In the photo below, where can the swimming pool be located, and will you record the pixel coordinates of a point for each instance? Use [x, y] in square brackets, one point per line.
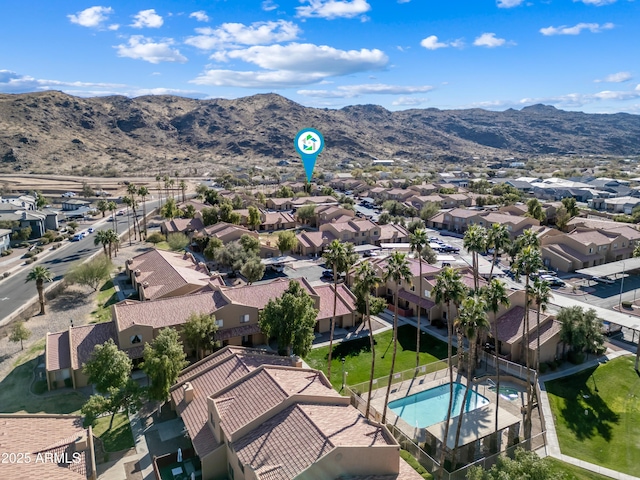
[430, 407]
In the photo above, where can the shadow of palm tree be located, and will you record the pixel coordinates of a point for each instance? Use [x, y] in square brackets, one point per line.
[67, 300]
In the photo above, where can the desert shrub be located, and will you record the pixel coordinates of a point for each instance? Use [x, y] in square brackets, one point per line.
[156, 237]
[29, 261]
[576, 357]
[543, 368]
[177, 241]
[44, 241]
[553, 366]
[28, 254]
[6, 274]
[38, 250]
[6, 253]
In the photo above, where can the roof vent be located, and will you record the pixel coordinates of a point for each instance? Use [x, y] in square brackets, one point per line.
[130, 261]
[145, 284]
[137, 272]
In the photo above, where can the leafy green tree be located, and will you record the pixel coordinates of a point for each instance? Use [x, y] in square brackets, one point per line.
[535, 210]
[201, 191]
[418, 240]
[87, 191]
[366, 281]
[199, 332]
[384, 218]
[108, 367]
[415, 225]
[253, 270]
[291, 320]
[232, 256]
[212, 197]
[164, 358]
[189, 211]
[254, 219]
[177, 241]
[525, 465]
[92, 273]
[562, 218]
[250, 244]
[128, 398]
[284, 192]
[156, 237]
[580, 330]
[472, 322]
[170, 209]
[571, 205]
[19, 333]
[102, 206]
[397, 270]
[21, 234]
[210, 216]
[226, 209]
[41, 201]
[237, 203]
[40, 274]
[429, 209]
[287, 241]
[448, 289]
[212, 247]
[495, 295]
[338, 256]
[475, 241]
[306, 214]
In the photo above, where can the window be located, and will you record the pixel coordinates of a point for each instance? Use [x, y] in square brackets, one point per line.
[615, 245]
[220, 323]
[590, 250]
[244, 318]
[231, 472]
[136, 339]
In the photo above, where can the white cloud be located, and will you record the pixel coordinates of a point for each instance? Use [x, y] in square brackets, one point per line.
[489, 40]
[291, 65]
[404, 1]
[331, 9]
[597, 3]
[616, 78]
[12, 82]
[409, 101]
[574, 100]
[113, 27]
[576, 29]
[91, 17]
[141, 48]
[351, 91]
[509, 3]
[147, 19]
[432, 43]
[268, 5]
[233, 34]
[200, 16]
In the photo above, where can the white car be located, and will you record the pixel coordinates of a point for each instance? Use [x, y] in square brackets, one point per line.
[605, 280]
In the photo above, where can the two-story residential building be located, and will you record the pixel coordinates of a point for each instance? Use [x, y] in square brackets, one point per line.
[460, 219]
[227, 232]
[5, 239]
[329, 213]
[314, 243]
[71, 204]
[399, 194]
[419, 201]
[357, 231]
[279, 204]
[425, 189]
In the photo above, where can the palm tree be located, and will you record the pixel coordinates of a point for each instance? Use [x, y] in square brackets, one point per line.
[527, 262]
[40, 274]
[417, 242]
[541, 293]
[495, 295]
[113, 242]
[472, 320]
[132, 190]
[159, 188]
[335, 258]
[102, 238]
[172, 182]
[499, 239]
[201, 191]
[170, 209]
[102, 206]
[127, 201]
[183, 187]
[113, 207]
[144, 192]
[475, 241]
[449, 288]
[397, 270]
[367, 280]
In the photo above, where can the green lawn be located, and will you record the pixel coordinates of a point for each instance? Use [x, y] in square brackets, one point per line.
[357, 354]
[119, 437]
[609, 433]
[572, 472]
[105, 297]
[31, 352]
[15, 396]
[162, 246]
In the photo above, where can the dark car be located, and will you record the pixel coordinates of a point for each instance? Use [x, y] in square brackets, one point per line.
[327, 274]
[449, 249]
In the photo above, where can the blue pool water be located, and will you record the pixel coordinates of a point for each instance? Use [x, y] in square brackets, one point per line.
[430, 407]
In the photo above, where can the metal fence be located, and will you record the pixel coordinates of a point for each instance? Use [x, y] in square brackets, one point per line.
[507, 367]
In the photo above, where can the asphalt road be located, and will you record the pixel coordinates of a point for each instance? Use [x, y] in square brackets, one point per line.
[15, 291]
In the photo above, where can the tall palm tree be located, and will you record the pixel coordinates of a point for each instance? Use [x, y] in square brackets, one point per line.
[335, 258]
[113, 242]
[132, 190]
[40, 274]
[113, 207]
[172, 182]
[475, 241]
[541, 294]
[528, 261]
[449, 288]
[472, 321]
[159, 188]
[183, 187]
[366, 280]
[499, 239]
[102, 238]
[418, 241]
[128, 201]
[143, 192]
[397, 270]
[495, 295]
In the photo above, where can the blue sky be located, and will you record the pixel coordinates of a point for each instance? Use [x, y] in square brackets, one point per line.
[574, 54]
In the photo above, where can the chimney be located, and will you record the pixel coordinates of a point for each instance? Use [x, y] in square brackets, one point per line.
[137, 272]
[296, 361]
[145, 284]
[188, 392]
[81, 443]
[130, 261]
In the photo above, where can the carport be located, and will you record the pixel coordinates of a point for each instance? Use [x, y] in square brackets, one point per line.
[613, 268]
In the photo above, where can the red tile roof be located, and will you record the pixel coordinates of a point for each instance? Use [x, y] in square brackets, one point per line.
[45, 434]
[183, 225]
[258, 295]
[57, 351]
[85, 338]
[345, 305]
[511, 324]
[413, 298]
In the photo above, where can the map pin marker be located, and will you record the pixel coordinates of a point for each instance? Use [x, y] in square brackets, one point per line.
[309, 143]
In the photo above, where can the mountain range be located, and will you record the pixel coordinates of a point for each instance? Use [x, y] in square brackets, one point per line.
[52, 132]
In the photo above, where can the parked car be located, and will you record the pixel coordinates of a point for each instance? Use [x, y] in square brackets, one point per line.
[604, 280]
[327, 274]
[91, 230]
[609, 328]
[552, 280]
[120, 212]
[77, 237]
[449, 249]
[370, 253]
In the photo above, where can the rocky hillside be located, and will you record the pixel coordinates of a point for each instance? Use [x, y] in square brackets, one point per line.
[51, 132]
